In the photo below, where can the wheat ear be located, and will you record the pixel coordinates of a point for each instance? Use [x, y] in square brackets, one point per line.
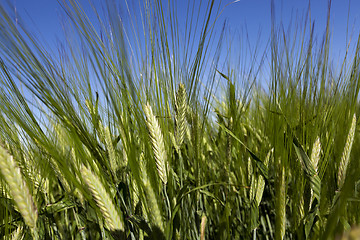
[180, 114]
[157, 142]
[346, 154]
[18, 189]
[315, 157]
[104, 202]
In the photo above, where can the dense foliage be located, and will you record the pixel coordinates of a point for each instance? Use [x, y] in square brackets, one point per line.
[136, 131]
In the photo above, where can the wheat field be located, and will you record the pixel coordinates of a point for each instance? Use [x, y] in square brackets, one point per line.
[137, 132]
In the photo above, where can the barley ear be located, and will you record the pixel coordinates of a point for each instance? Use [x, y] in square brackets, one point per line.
[18, 189]
[346, 154]
[314, 158]
[315, 154]
[180, 114]
[104, 202]
[157, 142]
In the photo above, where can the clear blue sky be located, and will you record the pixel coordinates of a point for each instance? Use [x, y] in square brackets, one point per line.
[46, 16]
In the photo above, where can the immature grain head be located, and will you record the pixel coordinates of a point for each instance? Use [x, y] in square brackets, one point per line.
[315, 157]
[112, 217]
[346, 154]
[180, 114]
[315, 154]
[18, 189]
[157, 142]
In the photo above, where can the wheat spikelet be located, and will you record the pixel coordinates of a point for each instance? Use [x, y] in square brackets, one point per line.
[157, 142]
[346, 154]
[104, 202]
[18, 234]
[315, 154]
[18, 189]
[180, 114]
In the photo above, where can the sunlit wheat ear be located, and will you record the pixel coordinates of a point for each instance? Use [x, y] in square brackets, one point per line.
[315, 154]
[315, 157]
[346, 154]
[180, 114]
[104, 202]
[18, 189]
[157, 142]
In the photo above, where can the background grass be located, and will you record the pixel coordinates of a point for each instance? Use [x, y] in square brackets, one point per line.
[138, 132]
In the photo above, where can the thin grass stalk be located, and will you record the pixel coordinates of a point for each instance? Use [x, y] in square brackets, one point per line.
[112, 217]
[18, 189]
[280, 205]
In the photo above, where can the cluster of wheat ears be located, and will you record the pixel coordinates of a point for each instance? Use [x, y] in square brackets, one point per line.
[137, 131]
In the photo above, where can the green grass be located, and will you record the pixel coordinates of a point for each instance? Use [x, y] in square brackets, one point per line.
[138, 132]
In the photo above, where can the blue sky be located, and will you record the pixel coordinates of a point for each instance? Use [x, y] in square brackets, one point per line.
[254, 14]
[45, 16]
